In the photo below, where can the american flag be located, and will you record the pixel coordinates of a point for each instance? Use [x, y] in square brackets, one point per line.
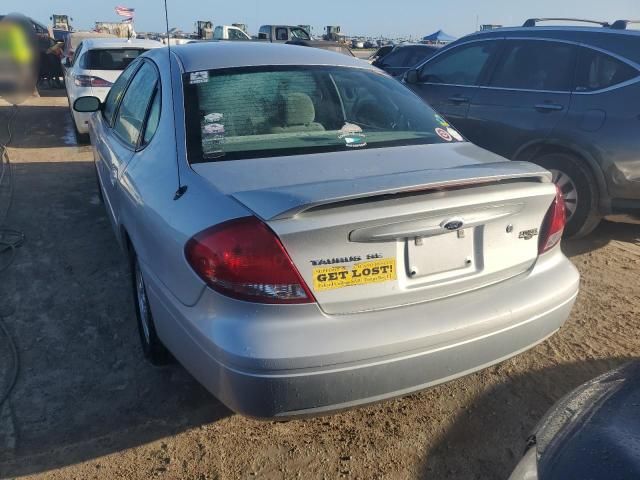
[125, 12]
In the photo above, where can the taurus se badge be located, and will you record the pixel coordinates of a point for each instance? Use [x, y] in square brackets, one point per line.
[528, 234]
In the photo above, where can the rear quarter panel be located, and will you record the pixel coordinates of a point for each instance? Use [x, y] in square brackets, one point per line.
[158, 224]
[605, 126]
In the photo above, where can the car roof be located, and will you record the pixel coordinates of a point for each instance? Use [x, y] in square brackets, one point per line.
[75, 38]
[214, 55]
[558, 28]
[624, 43]
[93, 43]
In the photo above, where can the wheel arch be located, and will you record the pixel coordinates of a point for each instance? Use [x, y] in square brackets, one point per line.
[536, 149]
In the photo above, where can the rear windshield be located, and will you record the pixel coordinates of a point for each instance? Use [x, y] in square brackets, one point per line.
[275, 111]
[110, 59]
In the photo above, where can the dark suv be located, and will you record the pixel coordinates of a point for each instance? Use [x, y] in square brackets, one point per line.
[566, 98]
[403, 57]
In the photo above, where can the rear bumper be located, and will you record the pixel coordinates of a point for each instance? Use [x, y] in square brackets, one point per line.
[310, 374]
[82, 121]
[294, 393]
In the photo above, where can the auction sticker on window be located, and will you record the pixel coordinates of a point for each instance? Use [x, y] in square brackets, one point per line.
[443, 134]
[198, 77]
[374, 271]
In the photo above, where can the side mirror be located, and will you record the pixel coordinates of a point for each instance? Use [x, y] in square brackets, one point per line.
[411, 77]
[262, 36]
[87, 104]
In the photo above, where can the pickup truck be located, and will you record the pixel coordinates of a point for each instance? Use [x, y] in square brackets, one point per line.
[324, 45]
[229, 32]
[282, 33]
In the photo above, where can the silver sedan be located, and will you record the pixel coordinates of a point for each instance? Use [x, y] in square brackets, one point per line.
[306, 235]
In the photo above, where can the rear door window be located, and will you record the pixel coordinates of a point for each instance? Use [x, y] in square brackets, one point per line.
[110, 59]
[135, 104]
[597, 71]
[153, 119]
[462, 65]
[116, 92]
[282, 34]
[535, 65]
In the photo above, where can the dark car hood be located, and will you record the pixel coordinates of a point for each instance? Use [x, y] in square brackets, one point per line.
[594, 432]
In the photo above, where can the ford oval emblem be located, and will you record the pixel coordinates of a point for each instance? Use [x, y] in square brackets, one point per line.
[453, 224]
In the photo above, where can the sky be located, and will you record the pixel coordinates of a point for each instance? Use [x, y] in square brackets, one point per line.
[400, 18]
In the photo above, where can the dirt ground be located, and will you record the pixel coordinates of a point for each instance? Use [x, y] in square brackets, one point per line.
[87, 406]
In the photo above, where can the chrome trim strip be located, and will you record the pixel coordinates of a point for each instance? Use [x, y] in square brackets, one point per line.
[611, 88]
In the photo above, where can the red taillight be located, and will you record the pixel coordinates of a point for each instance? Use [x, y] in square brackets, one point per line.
[553, 225]
[244, 259]
[90, 81]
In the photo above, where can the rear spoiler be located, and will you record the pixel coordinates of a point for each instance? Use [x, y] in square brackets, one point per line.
[287, 202]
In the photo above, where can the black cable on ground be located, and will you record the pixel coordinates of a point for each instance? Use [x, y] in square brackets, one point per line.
[10, 240]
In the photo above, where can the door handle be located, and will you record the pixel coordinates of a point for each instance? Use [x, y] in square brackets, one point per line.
[548, 107]
[113, 175]
[458, 99]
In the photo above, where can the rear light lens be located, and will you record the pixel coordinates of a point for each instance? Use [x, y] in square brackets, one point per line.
[553, 225]
[244, 259]
[90, 81]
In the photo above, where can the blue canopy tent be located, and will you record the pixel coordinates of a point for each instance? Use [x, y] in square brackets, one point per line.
[438, 37]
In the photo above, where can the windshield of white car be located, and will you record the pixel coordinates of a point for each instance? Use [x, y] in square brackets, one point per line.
[300, 34]
[110, 59]
[257, 112]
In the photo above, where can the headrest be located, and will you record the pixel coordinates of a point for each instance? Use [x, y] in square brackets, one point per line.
[298, 109]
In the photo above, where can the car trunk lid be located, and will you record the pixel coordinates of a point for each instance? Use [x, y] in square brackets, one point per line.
[404, 235]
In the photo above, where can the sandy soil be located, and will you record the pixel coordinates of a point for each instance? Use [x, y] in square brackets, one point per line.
[87, 406]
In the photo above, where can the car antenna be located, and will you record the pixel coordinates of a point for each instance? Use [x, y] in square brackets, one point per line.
[181, 188]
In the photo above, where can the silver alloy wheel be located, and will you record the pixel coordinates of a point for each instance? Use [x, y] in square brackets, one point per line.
[143, 304]
[569, 191]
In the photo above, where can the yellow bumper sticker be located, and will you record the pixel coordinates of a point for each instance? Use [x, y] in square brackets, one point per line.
[374, 271]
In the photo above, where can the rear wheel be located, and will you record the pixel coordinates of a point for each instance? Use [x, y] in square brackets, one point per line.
[579, 189]
[152, 347]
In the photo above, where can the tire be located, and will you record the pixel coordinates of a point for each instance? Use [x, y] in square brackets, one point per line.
[154, 351]
[580, 190]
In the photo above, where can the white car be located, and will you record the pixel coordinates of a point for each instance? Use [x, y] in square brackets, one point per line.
[227, 32]
[97, 63]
